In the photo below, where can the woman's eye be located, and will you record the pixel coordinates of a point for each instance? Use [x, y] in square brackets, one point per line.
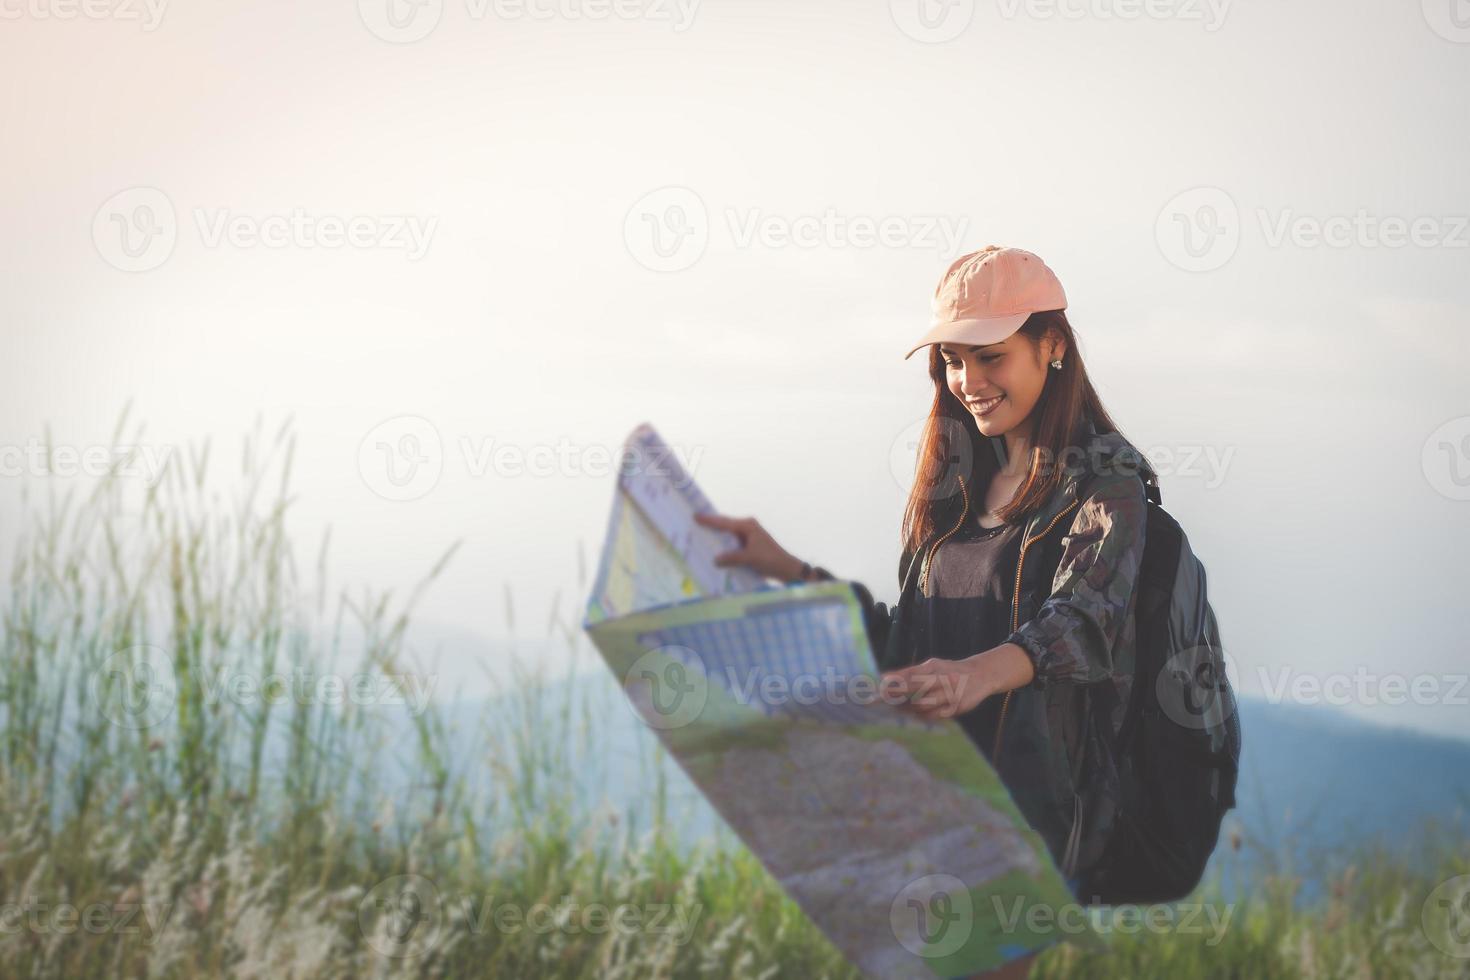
[953, 364]
[987, 358]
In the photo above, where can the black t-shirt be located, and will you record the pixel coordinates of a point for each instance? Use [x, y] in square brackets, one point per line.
[964, 607]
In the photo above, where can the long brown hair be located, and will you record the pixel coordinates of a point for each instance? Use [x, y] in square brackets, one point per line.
[952, 447]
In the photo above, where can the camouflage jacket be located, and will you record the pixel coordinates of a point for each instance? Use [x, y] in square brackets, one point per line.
[1073, 614]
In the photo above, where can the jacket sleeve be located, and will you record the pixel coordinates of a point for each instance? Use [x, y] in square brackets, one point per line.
[1072, 636]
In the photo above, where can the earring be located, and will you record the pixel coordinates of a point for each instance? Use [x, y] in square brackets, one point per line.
[1057, 364]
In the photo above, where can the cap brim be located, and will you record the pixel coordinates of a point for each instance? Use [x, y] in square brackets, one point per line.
[989, 330]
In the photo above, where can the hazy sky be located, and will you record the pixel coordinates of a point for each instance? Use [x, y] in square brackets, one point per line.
[485, 233]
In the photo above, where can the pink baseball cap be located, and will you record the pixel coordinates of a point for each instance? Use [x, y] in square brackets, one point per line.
[986, 296]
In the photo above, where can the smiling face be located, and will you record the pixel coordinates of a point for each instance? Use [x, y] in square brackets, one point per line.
[1000, 383]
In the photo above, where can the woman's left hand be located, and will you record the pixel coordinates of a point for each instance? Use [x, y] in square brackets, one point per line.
[940, 688]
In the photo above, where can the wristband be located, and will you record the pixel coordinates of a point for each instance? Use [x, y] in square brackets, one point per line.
[801, 576]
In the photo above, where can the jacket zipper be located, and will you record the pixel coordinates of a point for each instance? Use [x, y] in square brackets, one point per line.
[1016, 614]
[929, 557]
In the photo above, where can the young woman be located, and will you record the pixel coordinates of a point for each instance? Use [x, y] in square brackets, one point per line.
[1022, 541]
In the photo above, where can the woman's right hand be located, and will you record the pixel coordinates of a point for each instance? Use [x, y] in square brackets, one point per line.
[758, 551]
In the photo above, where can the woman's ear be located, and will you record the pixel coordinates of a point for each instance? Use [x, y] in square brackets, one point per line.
[1058, 348]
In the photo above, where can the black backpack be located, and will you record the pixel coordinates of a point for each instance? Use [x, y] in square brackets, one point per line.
[1177, 754]
[1178, 751]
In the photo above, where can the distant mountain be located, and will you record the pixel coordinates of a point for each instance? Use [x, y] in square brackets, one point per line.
[1314, 783]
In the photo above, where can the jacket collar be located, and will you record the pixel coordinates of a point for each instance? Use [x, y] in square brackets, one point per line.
[1105, 454]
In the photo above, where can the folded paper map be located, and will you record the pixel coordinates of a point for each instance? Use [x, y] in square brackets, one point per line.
[893, 834]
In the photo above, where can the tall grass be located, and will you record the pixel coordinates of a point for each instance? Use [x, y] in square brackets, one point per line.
[153, 828]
